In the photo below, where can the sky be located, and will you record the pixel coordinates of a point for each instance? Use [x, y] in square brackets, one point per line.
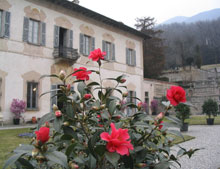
[127, 11]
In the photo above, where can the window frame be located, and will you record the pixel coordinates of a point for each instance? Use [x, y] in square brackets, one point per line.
[1, 23]
[131, 93]
[31, 95]
[130, 57]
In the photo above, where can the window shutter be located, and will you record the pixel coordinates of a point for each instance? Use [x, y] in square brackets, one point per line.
[134, 57]
[43, 33]
[56, 36]
[70, 39]
[81, 42]
[25, 29]
[93, 44]
[113, 51]
[7, 24]
[104, 48]
[127, 56]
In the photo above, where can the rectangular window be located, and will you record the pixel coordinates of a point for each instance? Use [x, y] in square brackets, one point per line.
[87, 44]
[32, 95]
[146, 99]
[130, 57]
[131, 99]
[4, 24]
[109, 48]
[33, 34]
[1, 22]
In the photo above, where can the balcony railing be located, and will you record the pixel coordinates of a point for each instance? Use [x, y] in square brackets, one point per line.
[64, 53]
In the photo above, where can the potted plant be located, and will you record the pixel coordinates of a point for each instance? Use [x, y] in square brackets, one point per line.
[183, 113]
[210, 108]
[154, 106]
[17, 107]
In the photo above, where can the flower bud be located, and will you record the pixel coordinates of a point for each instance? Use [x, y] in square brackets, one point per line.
[47, 124]
[122, 80]
[68, 87]
[35, 152]
[125, 94]
[73, 140]
[87, 96]
[58, 113]
[139, 105]
[97, 72]
[55, 108]
[66, 123]
[95, 108]
[141, 165]
[73, 165]
[102, 106]
[62, 74]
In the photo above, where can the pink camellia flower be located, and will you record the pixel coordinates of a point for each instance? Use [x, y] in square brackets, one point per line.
[82, 74]
[58, 113]
[97, 55]
[176, 94]
[98, 116]
[87, 96]
[117, 140]
[43, 134]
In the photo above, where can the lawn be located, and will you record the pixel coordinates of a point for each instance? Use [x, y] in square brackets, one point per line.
[9, 140]
[201, 120]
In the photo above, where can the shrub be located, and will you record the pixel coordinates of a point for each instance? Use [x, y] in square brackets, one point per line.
[92, 131]
[210, 108]
[17, 107]
[182, 112]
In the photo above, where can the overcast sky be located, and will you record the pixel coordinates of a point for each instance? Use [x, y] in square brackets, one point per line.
[127, 10]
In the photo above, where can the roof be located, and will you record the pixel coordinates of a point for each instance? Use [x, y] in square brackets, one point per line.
[101, 18]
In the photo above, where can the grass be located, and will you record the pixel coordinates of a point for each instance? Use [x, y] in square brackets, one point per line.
[178, 140]
[9, 140]
[201, 120]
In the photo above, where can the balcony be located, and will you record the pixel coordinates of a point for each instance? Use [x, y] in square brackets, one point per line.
[64, 54]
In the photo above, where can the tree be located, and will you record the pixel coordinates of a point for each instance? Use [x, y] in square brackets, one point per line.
[153, 48]
[198, 57]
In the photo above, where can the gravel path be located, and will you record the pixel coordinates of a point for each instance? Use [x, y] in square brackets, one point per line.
[207, 137]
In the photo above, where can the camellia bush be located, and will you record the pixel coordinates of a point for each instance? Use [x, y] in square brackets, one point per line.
[93, 131]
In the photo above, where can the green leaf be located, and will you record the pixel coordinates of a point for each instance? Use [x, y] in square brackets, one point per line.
[49, 92]
[175, 132]
[81, 88]
[93, 84]
[162, 165]
[12, 160]
[57, 157]
[25, 163]
[70, 149]
[128, 161]
[57, 124]
[100, 150]
[112, 107]
[70, 111]
[92, 161]
[24, 149]
[166, 104]
[66, 137]
[69, 131]
[112, 158]
[46, 118]
[53, 75]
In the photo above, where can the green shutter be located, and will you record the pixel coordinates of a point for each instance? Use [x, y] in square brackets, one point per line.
[43, 33]
[127, 56]
[104, 48]
[25, 29]
[7, 24]
[70, 39]
[134, 57]
[113, 51]
[93, 44]
[56, 35]
[81, 42]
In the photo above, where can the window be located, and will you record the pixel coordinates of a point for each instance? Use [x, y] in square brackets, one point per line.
[63, 38]
[87, 44]
[130, 57]
[4, 24]
[32, 95]
[146, 99]
[131, 99]
[34, 32]
[109, 48]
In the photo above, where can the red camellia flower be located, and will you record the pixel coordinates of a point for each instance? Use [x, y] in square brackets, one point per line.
[117, 140]
[97, 55]
[82, 74]
[176, 94]
[160, 125]
[87, 96]
[58, 113]
[43, 134]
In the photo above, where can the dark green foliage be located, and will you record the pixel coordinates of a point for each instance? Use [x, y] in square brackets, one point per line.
[182, 112]
[210, 108]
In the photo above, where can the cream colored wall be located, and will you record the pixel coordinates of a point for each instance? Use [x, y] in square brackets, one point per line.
[18, 59]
